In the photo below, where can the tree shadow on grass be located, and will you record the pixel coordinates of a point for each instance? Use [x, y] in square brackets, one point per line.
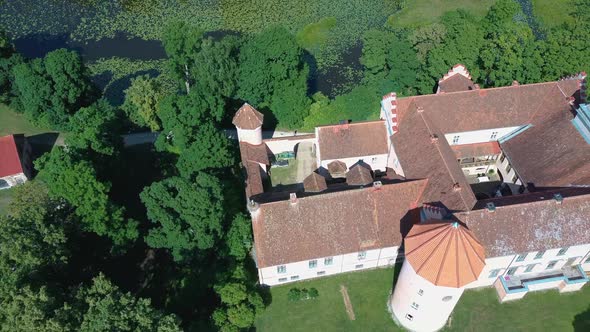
[581, 321]
[41, 144]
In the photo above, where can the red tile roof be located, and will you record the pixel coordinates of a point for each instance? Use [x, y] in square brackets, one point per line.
[10, 162]
[350, 140]
[476, 149]
[531, 222]
[359, 175]
[314, 183]
[247, 118]
[446, 254]
[333, 223]
[456, 83]
[252, 157]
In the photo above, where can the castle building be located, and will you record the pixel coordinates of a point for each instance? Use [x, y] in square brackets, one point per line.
[469, 187]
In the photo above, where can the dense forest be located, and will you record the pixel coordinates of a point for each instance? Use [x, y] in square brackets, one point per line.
[109, 237]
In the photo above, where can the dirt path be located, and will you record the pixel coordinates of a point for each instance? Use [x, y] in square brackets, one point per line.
[306, 161]
[347, 302]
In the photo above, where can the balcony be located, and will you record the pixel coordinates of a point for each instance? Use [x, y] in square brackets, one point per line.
[566, 279]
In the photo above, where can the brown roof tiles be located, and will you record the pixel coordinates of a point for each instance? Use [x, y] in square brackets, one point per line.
[337, 169]
[314, 183]
[456, 83]
[444, 253]
[359, 175]
[476, 149]
[333, 223]
[247, 118]
[352, 140]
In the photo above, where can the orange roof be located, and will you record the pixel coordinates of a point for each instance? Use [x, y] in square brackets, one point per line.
[444, 253]
[247, 118]
[476, 149]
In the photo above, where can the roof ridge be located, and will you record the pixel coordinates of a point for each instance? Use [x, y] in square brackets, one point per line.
[446, 252]
[350, 123]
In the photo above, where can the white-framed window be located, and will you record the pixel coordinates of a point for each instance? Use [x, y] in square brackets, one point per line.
[420, 292]
[281, 269]
[551, 265]
[521, 258]
[562, 251]
[493, 135]
[512, 271]
[456, 139]
[540, 254]
[409, 317]
[514, 178]
[529, 268]
[321, 273]
[373, 160]
[282, 279]
[502, 158]
[294, 277]
[494, 273]
[358, 266]
[328, 261]
[313, 264]
[362, 255]
[415, 305]
[508, 169]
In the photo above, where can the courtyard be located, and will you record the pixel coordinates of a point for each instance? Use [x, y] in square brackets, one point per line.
[478, 310]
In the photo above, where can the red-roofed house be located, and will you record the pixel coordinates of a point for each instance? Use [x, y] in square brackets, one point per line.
[15, 161]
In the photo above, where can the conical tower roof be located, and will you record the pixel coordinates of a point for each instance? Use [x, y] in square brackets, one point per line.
[247, 118]
[444, 253]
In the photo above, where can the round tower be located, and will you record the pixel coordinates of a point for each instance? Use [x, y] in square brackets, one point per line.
[248, 122]
[441, 258]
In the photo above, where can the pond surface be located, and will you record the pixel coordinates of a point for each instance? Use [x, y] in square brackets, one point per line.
[37, 45]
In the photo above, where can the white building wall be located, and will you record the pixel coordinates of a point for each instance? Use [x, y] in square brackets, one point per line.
[277, 146]
[503, 264]
[479, 136]
[377, 162]
[15, 179]
[502, 166]
[419, 305]
[253, 136]
[340, 263]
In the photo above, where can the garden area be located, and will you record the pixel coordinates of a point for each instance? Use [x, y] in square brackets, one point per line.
[478, 310]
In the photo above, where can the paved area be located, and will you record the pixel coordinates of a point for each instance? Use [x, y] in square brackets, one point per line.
[306, 162]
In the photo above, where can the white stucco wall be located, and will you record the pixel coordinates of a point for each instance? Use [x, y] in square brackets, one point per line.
[340, 263]
[15, 179]
[502, 166]
[286, 144]
[418, 297]
[580, 252]
[377, 162]
[253, 137]
[479, 136]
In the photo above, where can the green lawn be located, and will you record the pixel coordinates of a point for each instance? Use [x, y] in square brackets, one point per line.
[552, 12]
[478, 310]
[423, 12]
[14, 123]
[284, 175]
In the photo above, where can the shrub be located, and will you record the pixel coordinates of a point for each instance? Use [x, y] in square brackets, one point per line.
[313, 293]
[294, 295]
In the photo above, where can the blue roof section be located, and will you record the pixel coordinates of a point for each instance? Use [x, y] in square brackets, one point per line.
[582, 121]
[514, 133]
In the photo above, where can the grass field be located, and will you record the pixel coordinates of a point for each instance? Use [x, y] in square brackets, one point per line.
[478, 310]
[423, 12]
[552, 12]
[14, 123]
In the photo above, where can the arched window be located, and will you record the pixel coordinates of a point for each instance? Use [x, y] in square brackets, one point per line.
[4, 184]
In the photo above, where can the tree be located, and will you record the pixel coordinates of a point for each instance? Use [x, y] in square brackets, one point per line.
[94, 128]
[239, 236]
[425, 38]
[182, 115]
[34, 233]
[7, 76]
[76, 182]
[103, 307]
[211, 149]
[181, 43]
[273, 74]
[188, 215]
[141, 102]
[25, 309]
[215, 68]
[53, 88]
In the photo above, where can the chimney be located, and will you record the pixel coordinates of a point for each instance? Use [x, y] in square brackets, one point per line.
[377, 185]
[491, 207]
[558, 198]
[476, 86]
[515, 83]
[293, 198]
[456, 187]
[420, 109]
[571, 100]
[434, 138]
[253, 208]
